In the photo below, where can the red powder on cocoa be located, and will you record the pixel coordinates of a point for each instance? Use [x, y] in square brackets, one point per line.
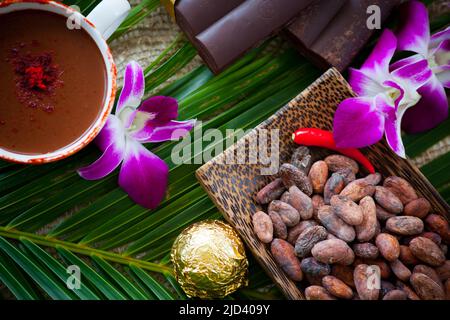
[37, 76]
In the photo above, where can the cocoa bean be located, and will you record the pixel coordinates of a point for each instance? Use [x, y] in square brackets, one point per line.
[347, 174]
[417, 208]
[430, 272]
[292, 176]
[382, 214]
[333, 251]
[388, 246]
[285, 197]
[311, 266]
[388, 200]
[383, 267]
[317, 293]
[444, 271]
[406, 256]
[426, 288]
[284, 255]
[432, 236]
[318, 175]
[338, 162]
[438, 224]
[385, 270]
[400, 270]
[396, 295]
[270, 192]
[336, 225]
[301, 202]
[357, 190]
[401, 188]
[279, 227]
[404, 225]
[334, 185]
[427, 251]
[263, 227]
[409, 292]
[373, 179]
[288, 214]
[317, 202]
[294, 232]
[368, 228]
[366, 250]
[398, 237]
[337, 287]
[301, 158]
[308, 238]
[347, 210]
[366, 281]
[343, 273]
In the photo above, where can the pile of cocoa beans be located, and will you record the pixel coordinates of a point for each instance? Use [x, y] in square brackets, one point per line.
[341, 235]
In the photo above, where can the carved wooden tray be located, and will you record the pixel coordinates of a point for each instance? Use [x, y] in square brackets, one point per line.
[233, 187]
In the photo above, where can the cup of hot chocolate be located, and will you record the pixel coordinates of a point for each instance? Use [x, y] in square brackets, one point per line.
[57, 78]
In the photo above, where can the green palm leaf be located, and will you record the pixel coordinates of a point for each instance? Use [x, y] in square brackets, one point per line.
[53, 286]
[96, 279]
[131, 290]
[158, 290]
[15, 280]
[57, 268]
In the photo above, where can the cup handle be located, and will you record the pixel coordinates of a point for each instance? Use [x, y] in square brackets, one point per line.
[108, 15]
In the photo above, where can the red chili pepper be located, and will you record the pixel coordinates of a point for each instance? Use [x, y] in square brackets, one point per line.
[313, 137]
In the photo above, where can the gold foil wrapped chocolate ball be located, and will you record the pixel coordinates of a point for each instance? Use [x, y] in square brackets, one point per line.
[209, 260]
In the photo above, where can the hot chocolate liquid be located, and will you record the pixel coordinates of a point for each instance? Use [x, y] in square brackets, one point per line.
[52, 82]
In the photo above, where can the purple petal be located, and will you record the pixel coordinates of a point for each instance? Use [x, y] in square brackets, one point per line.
[440, 36]
[414, 75]
[111, 132]
[357, 123]
[143, 176]
[431, 110]
[377, 65]
[393, 132]
[404, 62]
[362, 84]
[414, 33]
[133, 87]
[443, 75]
[107, 163]
[163, 108]
[172, 130]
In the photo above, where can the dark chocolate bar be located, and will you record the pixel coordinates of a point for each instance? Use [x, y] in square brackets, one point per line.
[307, 27]
[243, 28]
[346, 34]
[195, 16]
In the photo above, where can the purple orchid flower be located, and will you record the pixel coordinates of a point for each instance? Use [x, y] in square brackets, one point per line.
[143, 175]
[384, 97]
[414, 35]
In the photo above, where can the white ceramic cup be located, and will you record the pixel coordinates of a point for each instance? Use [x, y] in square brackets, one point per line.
[100, 24]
